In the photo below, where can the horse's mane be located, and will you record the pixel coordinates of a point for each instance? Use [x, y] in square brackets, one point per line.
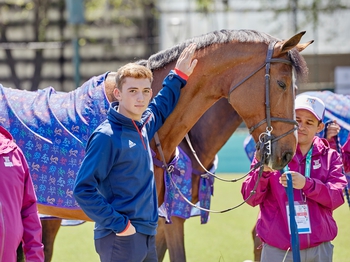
[162, 58]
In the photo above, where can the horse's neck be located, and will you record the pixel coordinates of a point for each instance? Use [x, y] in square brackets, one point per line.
[181, 120]
[209, 82]
[212, 131]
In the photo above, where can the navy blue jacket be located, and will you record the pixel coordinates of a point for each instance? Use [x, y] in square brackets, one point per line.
[115, 182]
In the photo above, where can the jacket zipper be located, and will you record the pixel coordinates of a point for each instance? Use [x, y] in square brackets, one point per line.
[138, 131]
[140, 134]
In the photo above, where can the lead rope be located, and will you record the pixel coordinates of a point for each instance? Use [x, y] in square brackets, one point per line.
[294, 234]
[207, 172]
[166, 169]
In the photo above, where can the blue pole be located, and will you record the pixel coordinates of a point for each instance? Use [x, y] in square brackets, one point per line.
[75, 10]
[292, 222]
[76, 57]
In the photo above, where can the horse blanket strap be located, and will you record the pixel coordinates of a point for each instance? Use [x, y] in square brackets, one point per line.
[64, 222]
[52, 129]
[160, 164]
[176, 171]
[174, 204]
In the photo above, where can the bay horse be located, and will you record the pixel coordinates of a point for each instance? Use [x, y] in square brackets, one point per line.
[228, 63]
[230, 66]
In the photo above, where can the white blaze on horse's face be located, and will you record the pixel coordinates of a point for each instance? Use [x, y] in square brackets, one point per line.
[294, 95]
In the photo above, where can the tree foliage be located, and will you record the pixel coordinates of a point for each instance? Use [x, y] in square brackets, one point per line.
[311, 8]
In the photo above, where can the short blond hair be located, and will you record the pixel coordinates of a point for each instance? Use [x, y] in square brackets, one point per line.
[132, 70]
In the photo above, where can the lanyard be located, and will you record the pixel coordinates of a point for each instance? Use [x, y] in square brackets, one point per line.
[308, 162]
[307, 165]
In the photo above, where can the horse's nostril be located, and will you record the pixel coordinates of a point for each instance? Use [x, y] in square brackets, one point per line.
[287, 157]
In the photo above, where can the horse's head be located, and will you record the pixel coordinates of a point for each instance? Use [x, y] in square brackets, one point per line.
[265, 99]
[257, 76]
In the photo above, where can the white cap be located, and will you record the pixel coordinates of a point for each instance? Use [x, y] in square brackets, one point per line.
[312, 104]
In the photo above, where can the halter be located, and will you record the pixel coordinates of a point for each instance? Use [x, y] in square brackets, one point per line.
[265, 138]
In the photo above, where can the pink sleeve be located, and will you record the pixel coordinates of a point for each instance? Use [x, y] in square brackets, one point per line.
[346, 155]
[249, 183]
[328, 193]
[32, 232]
[333, 143]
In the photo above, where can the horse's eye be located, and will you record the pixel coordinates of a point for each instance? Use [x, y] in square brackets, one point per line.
[281, 84]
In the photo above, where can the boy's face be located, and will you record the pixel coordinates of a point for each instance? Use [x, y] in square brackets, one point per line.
[308, 126]
[134, 97]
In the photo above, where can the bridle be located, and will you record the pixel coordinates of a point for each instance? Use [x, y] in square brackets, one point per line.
[266, 139]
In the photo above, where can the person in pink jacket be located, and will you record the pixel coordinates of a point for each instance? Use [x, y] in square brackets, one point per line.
[332, 132]
[318, 184]
[346, 155]
[19, 219]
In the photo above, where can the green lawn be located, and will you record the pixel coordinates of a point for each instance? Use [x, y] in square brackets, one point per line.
[226, 237]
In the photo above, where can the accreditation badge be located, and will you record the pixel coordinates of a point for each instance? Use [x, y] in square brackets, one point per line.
[302, 217]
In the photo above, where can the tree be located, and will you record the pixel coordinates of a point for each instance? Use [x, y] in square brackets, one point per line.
[311, 8]
[32, 16]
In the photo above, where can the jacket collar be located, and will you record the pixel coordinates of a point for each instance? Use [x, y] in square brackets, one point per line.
[118, 118]
[320, 146]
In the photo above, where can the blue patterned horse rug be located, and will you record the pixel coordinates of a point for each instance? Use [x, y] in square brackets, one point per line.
[174, 204]
[337, 108]
[52, 129]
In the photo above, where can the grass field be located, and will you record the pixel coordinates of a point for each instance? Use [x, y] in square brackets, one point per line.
[225, 238]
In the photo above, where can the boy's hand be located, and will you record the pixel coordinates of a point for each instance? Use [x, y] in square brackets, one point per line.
[130, 231]
[185, 63]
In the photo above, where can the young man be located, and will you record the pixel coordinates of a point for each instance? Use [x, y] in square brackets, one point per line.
[19, 218]
[115, 184]
[318, 185]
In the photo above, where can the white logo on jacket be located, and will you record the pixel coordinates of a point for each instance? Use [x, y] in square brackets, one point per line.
[7, 162]
[317, 164]
[131, 144]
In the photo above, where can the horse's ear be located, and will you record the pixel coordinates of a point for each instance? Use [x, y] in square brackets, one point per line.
[292, 42]
[301, 47]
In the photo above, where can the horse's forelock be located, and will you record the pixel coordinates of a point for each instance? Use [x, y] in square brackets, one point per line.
[299, 65]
